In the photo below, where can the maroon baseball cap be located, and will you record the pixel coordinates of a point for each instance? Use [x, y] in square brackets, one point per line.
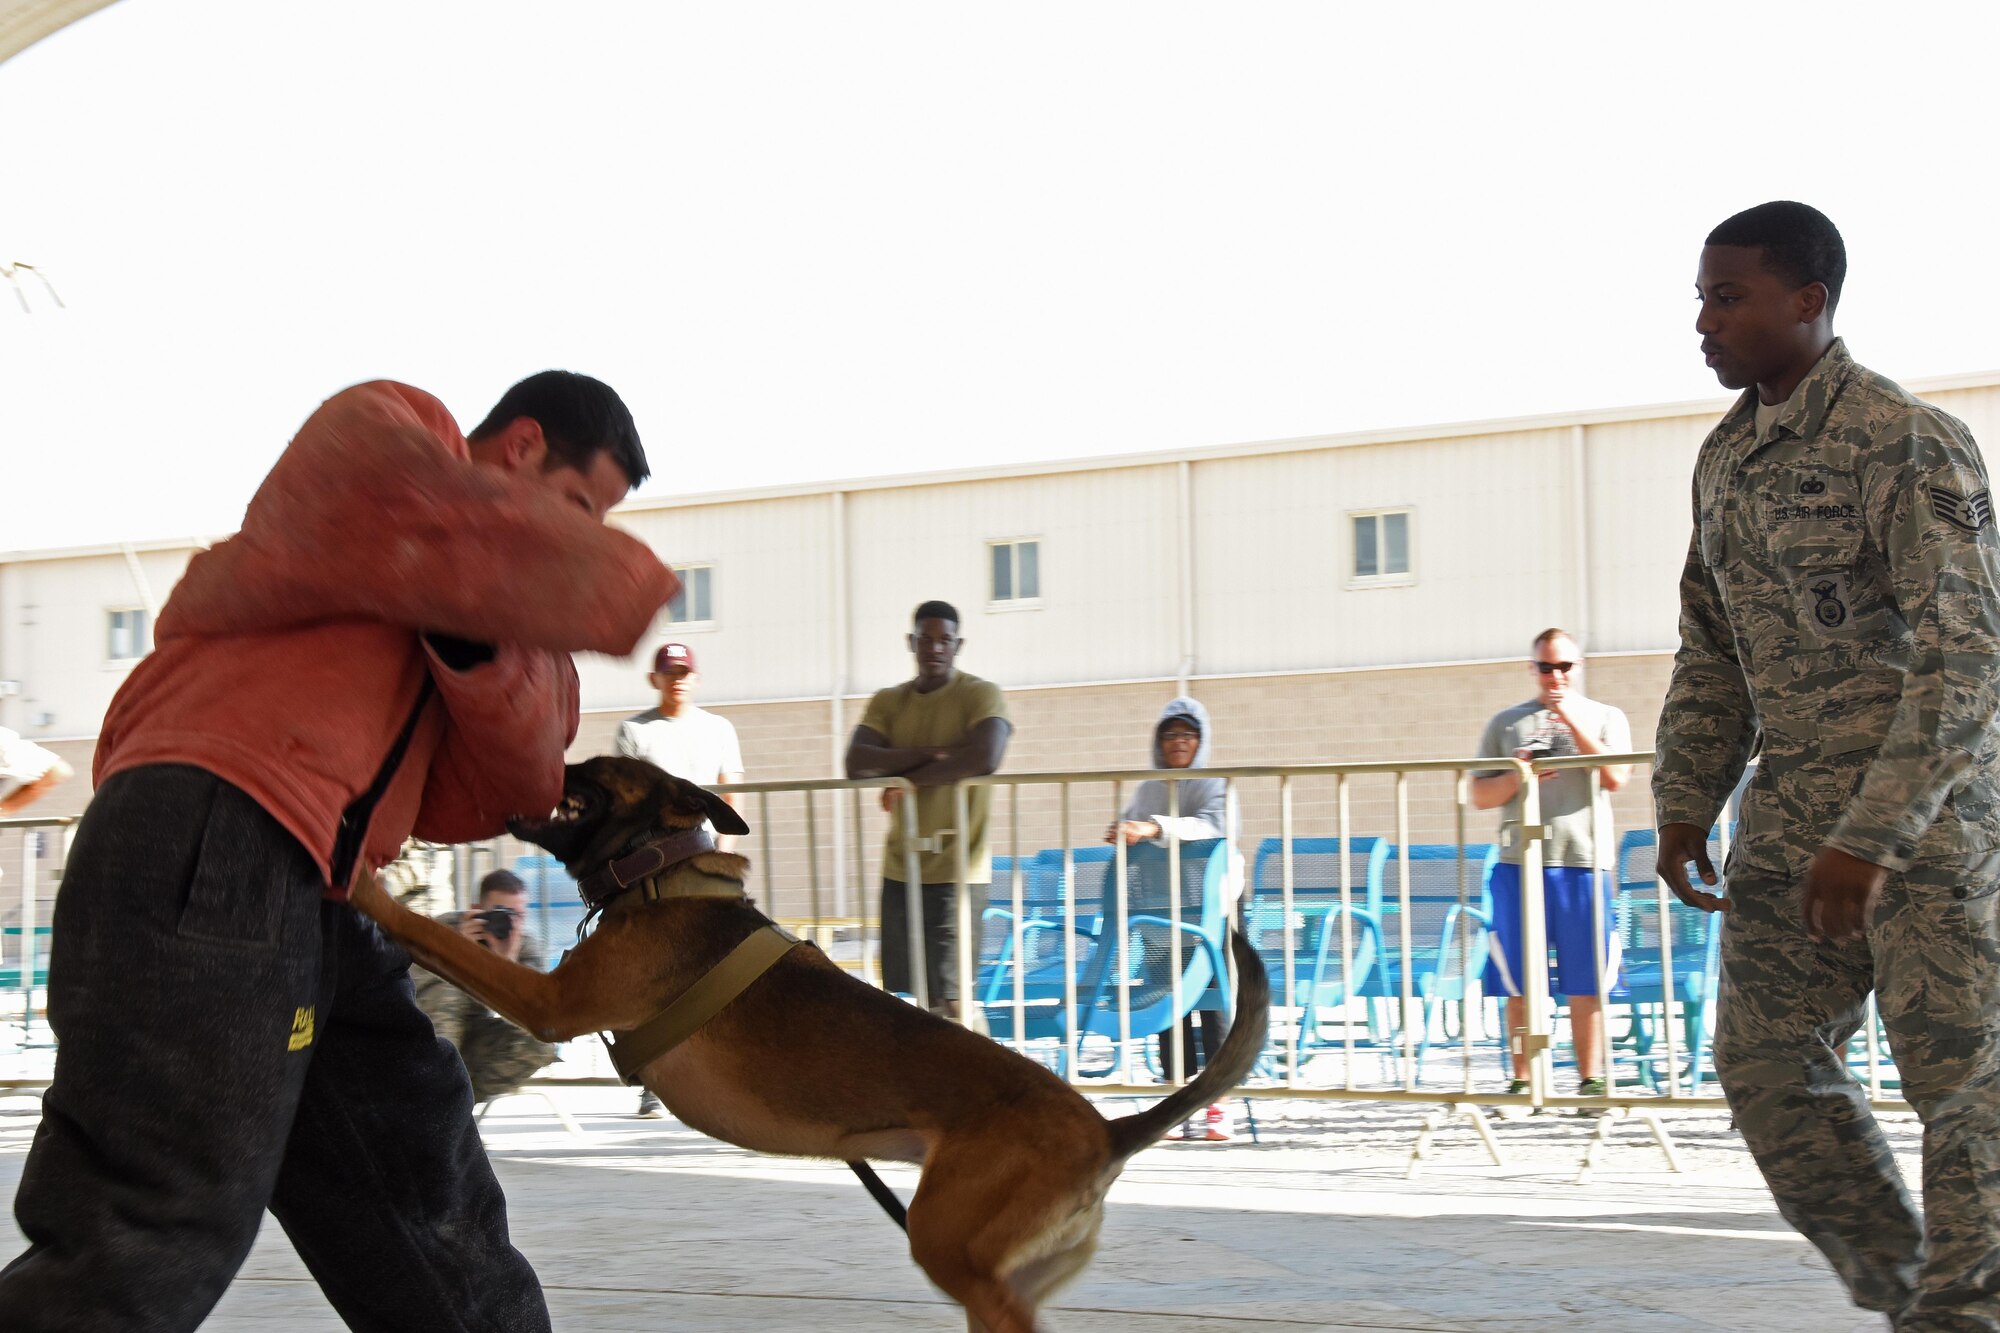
[673, 657]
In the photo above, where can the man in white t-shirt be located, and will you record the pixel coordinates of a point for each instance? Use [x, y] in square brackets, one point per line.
[689, 742]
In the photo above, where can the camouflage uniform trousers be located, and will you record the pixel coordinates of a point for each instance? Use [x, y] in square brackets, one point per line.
[499, 1056]
[1788, 1008]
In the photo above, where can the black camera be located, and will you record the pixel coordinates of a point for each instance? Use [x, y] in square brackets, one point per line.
[1539, 747]
[499, 924]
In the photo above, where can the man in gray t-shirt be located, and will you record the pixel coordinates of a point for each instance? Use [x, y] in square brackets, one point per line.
[1559, 720]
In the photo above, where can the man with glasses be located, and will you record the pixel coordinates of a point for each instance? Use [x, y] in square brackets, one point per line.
[942, 726]
[1576, 895]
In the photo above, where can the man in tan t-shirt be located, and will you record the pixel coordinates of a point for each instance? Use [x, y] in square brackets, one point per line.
[934, 730]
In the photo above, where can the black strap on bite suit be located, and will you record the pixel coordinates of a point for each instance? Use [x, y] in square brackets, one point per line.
[353, 830]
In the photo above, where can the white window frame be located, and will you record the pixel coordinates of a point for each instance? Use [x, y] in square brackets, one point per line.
[146, 644]
[668, 625]
[1402, 579]
[1014, 603]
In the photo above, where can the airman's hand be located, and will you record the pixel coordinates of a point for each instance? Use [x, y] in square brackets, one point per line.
[1839, 895]
[1680, 844]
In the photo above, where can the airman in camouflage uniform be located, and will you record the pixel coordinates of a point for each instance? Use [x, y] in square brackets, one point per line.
[499, 1056]
[1840, 607]
[420, 877]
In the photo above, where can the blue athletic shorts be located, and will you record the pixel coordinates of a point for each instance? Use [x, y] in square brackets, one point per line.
[1566, 900]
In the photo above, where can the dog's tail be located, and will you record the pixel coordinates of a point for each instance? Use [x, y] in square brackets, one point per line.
[1229, 1067]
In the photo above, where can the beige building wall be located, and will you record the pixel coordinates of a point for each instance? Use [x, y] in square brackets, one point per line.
[1109, 577]
[53, 633]
[1492, 544]
[1230, 565]
[771, 636]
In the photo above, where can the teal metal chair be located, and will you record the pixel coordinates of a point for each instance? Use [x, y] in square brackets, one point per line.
[1449, 907]
[1696, 939]
[1130, 953]
[1335, 941]
[1042, 921]
[38, 975]
[1045, 916]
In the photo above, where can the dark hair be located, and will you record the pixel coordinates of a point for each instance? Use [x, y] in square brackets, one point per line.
[935, 610]
[580, 418]
[1800, 243]
[501, 881]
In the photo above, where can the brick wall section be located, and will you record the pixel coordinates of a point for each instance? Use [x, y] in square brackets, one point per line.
[1339, 716]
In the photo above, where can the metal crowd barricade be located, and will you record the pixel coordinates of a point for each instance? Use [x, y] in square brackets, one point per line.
[778, 899]
[1406, 1085]
[800, 880]
[36, 838]
[1622, 1099]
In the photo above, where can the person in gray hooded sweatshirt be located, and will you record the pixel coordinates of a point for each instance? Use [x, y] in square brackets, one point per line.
[1207, 809]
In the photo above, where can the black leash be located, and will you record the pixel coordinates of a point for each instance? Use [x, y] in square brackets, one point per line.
[885, 1196]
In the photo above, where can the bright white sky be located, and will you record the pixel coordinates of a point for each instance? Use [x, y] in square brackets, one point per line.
[812, 240]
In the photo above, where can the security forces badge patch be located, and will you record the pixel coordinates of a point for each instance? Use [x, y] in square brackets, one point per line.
[1830, 600]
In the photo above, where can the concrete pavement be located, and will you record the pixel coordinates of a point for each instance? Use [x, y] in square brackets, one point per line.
[645, 1225]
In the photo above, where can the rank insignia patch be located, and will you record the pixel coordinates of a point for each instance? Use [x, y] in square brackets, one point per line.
[1967, 513]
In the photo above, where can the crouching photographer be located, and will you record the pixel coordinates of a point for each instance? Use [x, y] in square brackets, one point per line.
[499, 1056]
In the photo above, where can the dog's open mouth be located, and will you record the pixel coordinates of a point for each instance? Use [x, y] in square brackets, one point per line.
[575, 806]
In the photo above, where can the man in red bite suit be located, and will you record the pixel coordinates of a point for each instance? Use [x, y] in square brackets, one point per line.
[382, 650]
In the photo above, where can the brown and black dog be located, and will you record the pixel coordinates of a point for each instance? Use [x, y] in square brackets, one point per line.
[812, 1062]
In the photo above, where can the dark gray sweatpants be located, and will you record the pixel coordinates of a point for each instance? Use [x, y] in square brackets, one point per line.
[231, 1042]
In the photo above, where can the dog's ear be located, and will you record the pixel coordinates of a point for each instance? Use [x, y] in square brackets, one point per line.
[684, 799]
[722, 814]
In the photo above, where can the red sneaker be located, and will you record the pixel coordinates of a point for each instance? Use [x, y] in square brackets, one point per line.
[1217, 1123]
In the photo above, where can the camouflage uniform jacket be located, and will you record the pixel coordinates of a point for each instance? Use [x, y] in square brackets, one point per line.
[1840, 606]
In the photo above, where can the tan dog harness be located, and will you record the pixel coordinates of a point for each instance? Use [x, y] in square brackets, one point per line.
[633, 1051]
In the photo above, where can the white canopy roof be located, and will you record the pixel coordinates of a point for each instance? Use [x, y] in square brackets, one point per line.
[25, 22]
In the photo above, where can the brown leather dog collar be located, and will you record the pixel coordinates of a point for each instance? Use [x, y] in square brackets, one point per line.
[600, 887]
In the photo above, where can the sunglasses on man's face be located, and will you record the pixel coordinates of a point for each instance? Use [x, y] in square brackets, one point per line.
[1550, 668]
